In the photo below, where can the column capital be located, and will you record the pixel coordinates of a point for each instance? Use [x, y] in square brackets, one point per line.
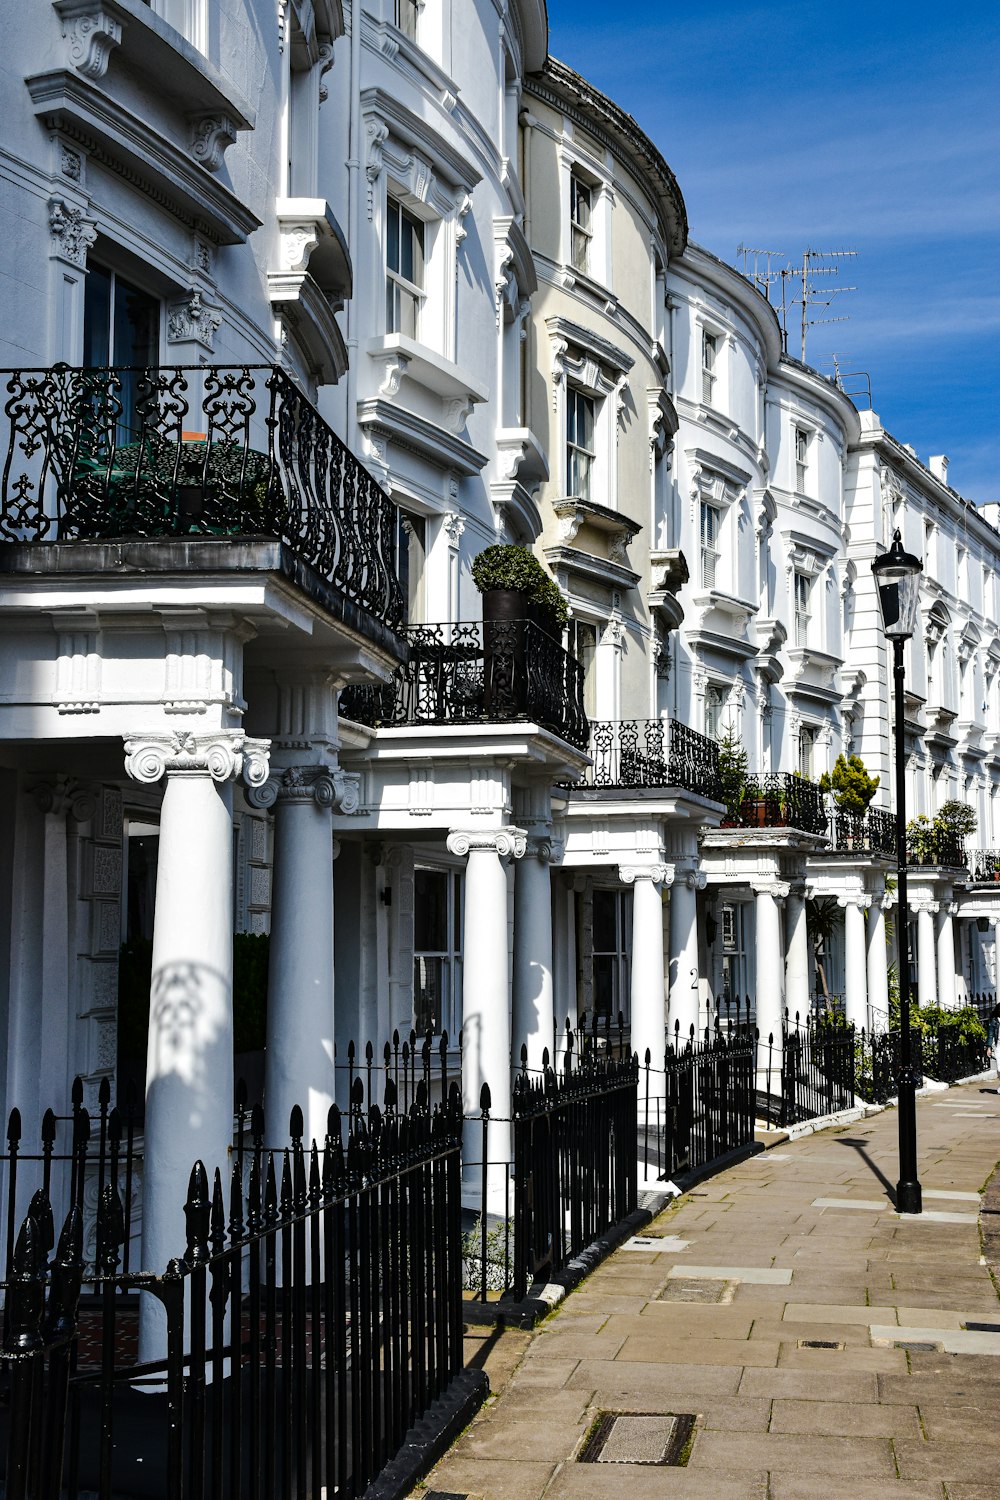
[658, 874]
[508, 843]
[538, 847]
[948, 908]
[65, 797]
[862, 902]
[223, 755]
[779, 889]
[327, 786]
[696, 880]
[926, 908]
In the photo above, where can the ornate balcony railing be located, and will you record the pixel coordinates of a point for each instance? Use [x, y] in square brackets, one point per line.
[872, 832]
[984, 866]
[188, 451]
[653, 753]
[938, 851]
[481, 672]
[781, 800]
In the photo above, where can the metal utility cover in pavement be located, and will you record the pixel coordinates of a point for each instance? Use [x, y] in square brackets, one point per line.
[821, 1344]
[638, 1438]
[694, 1290]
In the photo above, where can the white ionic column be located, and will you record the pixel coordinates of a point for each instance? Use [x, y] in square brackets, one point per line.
[647, 992]
[878, 966]
[946, 988]
[299, 1061]
[770, 966]
[486, 1003]
[683, 967]
[797, 956]
[533, 1024]
[189, 1065]
[926, 953]
[855, 958]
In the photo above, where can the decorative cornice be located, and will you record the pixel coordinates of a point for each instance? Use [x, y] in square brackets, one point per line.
[327, 786]
[224, 755]
[659, 874]
[508, 843]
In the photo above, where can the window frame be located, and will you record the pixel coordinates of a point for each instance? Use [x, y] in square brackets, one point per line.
[406, 17]
[581, 231]
[802, 456]
[450, 957]
[577, 452]
[802, 587]
[710, 342]
[620, 956]
[710, 552]
[397, 284]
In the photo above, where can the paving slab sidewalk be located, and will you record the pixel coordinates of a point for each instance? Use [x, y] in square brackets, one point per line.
[794, 1397]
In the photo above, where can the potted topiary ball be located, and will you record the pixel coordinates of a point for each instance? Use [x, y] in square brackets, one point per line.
[515, 586]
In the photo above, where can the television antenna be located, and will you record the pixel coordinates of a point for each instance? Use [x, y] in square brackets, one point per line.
[802, 278]
[811, 296]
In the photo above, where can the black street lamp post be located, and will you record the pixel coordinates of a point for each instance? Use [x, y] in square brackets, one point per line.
[897, 576]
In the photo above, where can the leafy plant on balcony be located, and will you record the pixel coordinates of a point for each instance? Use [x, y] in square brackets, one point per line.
[939, 841]
[850, 783]
[734, 766]
[506, 566]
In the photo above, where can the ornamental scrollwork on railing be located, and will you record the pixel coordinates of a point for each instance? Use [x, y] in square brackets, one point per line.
[193, 451]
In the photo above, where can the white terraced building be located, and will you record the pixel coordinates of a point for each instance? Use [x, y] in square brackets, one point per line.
[307, 304]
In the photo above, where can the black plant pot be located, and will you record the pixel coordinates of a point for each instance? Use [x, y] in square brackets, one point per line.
[505, 620]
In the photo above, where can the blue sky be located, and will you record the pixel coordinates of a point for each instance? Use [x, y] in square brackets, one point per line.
[877, 128]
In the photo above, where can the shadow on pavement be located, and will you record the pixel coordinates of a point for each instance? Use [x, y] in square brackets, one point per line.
[860, 1146]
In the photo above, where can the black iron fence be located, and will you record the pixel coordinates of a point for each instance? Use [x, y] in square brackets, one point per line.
[478, 672]
[984, 866]
[193, 451]
[807, 1072]
[872, 832]
[314, 1316]
[782, 800]
[575, 1143]
[653, 753]
[75, 1157]
[878, 1066]
[701, 1104]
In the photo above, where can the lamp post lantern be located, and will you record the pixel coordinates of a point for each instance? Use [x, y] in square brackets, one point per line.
[897, 577]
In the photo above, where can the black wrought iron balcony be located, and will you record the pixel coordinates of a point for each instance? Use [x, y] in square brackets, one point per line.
[937, 850]
[634, 753]
[984, 866]
[479, 672]
[779, 799]
[188, 451]
[872, 832]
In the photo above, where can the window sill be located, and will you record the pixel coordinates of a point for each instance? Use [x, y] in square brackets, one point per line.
[405, 357]
[311, 239]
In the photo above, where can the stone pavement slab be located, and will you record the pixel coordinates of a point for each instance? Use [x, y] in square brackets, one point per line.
[781, 1260]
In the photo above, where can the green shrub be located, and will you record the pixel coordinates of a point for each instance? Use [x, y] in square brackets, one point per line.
[850, 783]
[505, 566]
[498, 1261]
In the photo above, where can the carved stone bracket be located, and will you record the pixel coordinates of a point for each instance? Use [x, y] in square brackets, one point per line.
[211, 137]
[223, 755]
[72, 231]
[93, 33]
[508, 843]
[193, 319]
[454, 526]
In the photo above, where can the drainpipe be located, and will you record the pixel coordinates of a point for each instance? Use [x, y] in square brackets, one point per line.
[353, 224]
